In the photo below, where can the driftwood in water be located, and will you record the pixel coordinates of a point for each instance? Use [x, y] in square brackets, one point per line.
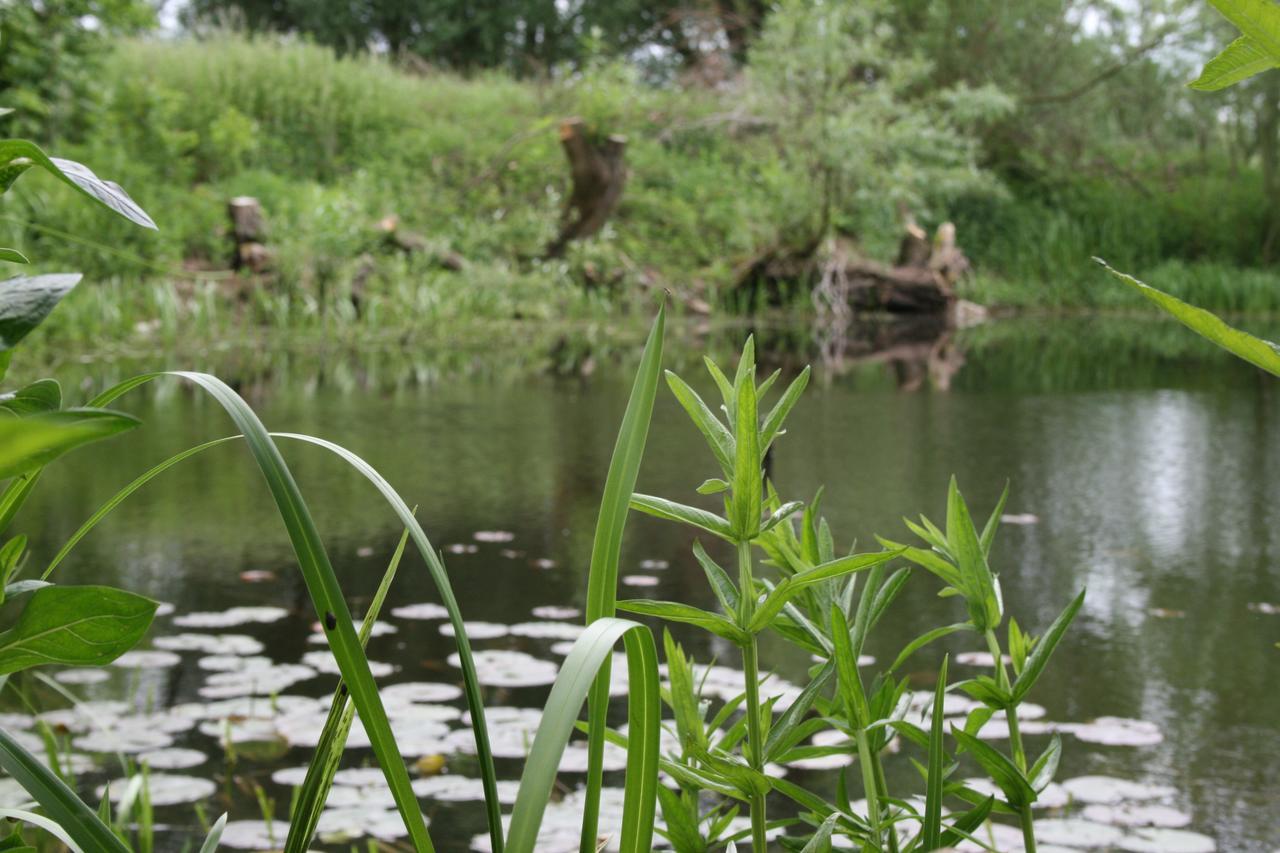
[599, 172]
[922, 281]
[248, 231]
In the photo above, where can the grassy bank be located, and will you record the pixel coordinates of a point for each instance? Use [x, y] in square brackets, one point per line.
[333, 146]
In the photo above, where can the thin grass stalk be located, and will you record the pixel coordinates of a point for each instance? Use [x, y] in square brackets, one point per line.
[606, 551]
[751, 673]
[305, 816]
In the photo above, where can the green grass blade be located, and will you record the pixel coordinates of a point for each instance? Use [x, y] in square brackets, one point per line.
[588, 657]
[606, 550]
[215, 835]
[322, 584]
[81, 824]
[932, 831]
[337, 727]
[119, 497]
[435, 566]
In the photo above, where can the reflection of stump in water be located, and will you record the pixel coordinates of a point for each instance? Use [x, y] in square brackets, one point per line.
[921, 351]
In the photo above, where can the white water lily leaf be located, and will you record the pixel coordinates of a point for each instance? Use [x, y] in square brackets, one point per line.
[504, 668]
[166, 789]
[425, 611]
[231, 617]
[1167, 841]
[1109, 790]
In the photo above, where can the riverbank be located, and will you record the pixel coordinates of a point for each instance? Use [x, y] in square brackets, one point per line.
[393, 199]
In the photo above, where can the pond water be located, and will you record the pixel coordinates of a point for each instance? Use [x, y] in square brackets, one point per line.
[1142, 464]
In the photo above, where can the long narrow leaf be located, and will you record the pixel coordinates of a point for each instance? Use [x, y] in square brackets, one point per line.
[322, 584]
[318, 782]
[1256, 351]
[932, 830]
[606, 548]
[588, 655]
[59, 802]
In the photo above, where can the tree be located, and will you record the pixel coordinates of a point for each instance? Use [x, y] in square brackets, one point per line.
[49, 53]
[854, 122]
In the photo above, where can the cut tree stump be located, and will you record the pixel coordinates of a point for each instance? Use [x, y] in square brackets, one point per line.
[248, 231]
[599, 172]
[921, 281]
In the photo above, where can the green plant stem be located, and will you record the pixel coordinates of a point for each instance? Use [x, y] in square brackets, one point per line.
[751, 672]
[1028, 829]
[867, 762]
[882, 790]
[1011, 714]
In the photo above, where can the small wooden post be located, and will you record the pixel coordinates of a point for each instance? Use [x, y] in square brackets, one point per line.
[599, 173]
[248, 231]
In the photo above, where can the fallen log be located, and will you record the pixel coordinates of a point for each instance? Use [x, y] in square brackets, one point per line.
[599, 172]
[922, 281]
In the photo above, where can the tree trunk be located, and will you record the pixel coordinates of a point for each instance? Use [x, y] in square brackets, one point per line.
[599, 173]
[248, 231]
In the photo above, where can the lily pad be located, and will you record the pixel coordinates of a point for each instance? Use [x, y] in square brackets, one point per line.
[425, 611]
[167, 789]
[1167, 841]
[477, 630]
[231, 617]
[173, 759]
[548, 630]
[555, 611]
[1117, 731]
[210, 644]
[1109, 790]
[82, 675]
[1138, 814]
[505, 668]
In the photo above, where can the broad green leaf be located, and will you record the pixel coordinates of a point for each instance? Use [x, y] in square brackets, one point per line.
[932, 827]
[1256, 351]
[717, 436]
[43, 395]
[1044, 647]
[672, 511]
[13, 256]
[76, 625]
[674, 611]
[16, 151]
[26, 300]
[563, 705]
[63, 808]
[1238, 61]
[606, 550]
[1008, 778]
[1257, 19]
[33, 442]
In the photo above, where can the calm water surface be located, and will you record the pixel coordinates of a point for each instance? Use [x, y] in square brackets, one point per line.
[1151, 464]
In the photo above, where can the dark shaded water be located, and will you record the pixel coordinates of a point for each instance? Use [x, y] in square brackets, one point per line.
[1152, 464]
